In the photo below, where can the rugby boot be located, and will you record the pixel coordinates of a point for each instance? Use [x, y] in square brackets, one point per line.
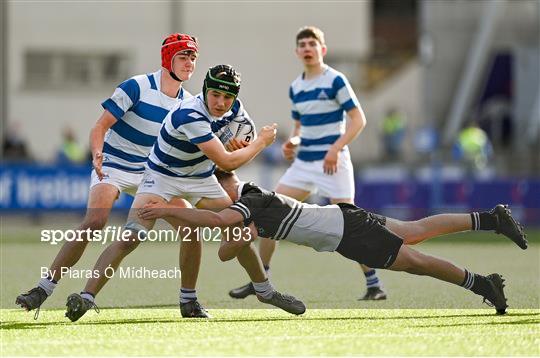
[496, 297]
[243, 291]
[193, 309]
[285, 302]
[508, 226]
[373, 294]
[32, 299]
[77, 306]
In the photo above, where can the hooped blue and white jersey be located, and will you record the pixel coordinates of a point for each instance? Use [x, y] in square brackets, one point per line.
[320, 105]
[140, 108]
[175, 152]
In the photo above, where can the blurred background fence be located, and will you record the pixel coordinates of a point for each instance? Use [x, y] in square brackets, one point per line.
[408, 195]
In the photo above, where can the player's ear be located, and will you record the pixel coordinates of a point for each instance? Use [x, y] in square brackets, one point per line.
[324, 50]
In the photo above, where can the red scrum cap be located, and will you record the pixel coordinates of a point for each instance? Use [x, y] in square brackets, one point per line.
[174, 44]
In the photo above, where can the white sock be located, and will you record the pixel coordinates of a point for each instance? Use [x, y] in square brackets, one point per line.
[264, 289]
[187, 295]
[87, 296]
[47, 285]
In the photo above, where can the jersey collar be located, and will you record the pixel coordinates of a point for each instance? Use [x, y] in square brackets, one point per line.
[325, 69]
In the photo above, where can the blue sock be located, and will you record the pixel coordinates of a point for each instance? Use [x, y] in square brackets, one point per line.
[371, 279]
[187, 294]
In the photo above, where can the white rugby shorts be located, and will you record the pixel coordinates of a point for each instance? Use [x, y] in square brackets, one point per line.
[125, 182]
[309, 176]
[191, 189]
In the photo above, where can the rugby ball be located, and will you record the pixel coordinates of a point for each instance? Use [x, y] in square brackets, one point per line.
[240, 128]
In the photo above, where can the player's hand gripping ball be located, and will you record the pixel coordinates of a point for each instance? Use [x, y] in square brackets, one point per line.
[240, 128]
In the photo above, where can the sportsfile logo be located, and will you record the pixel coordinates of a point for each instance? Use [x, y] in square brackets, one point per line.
[118, 233]
[109, 234]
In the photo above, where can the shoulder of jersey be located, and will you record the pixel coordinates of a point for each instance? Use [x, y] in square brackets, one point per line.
[142, 81]
[190, 102]
[195, 105]
[333, 72]
[297, 80]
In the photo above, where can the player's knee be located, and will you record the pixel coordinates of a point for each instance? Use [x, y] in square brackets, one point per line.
[135, 232]
[94, 222]
[230, 250]
[129, 242]
[225, 256]
[90, 225]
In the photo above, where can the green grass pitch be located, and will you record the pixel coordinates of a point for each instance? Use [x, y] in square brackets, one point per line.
[150, 332]
[422, 317]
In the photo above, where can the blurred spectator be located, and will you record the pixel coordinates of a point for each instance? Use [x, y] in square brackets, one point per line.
[393, 133]
[473, 147]
[14, 146]
[71, 151]
[426, 139]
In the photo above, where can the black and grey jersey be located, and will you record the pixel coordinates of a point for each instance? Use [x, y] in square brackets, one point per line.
[279, 217]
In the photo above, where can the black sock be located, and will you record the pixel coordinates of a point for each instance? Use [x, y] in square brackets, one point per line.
[49, 277]
[477, 283]
[483, 221]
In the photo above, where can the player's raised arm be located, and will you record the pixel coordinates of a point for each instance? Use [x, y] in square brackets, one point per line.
[216, 152]
[97, 137]
[192, 217]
